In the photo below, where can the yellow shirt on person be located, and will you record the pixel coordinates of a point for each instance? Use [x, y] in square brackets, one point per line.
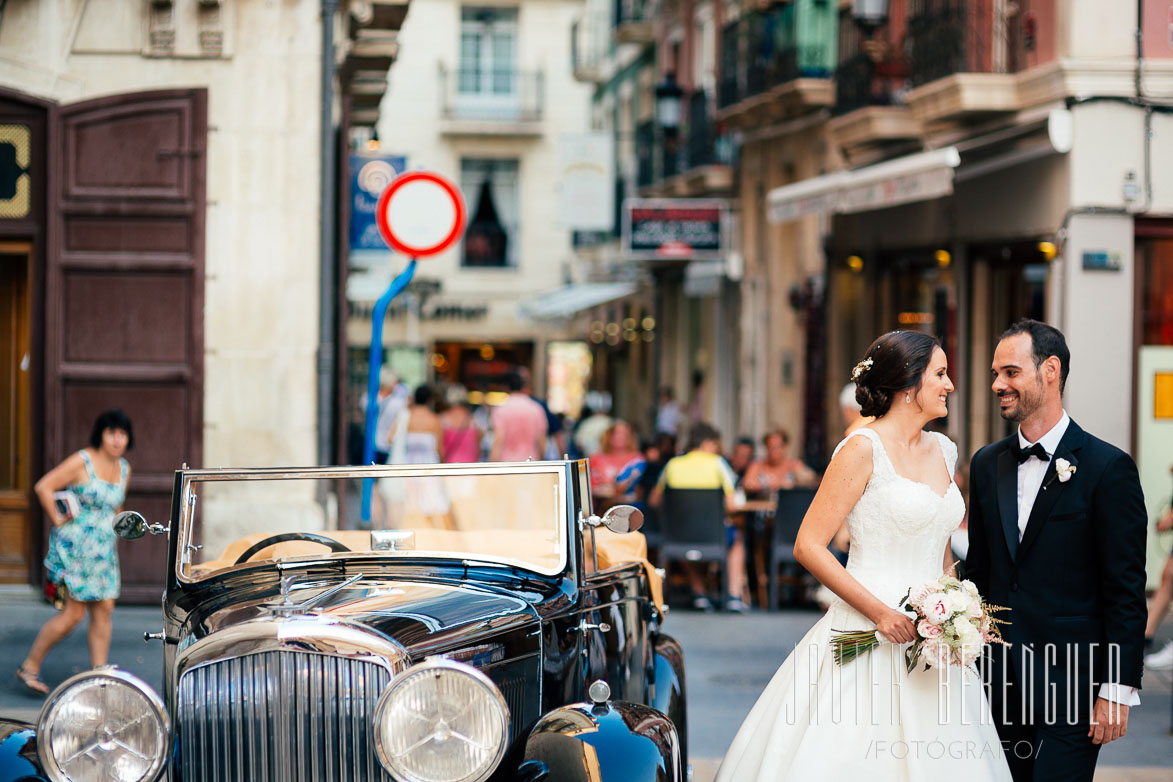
[698, 470]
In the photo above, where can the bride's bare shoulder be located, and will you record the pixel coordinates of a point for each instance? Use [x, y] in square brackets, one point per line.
[854, 453]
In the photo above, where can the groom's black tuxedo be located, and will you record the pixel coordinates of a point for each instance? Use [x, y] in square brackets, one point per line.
[1076, 580]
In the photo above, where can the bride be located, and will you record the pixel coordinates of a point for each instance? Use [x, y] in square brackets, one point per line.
[893, 484]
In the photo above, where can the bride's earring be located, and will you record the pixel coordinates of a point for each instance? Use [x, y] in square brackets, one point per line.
[907, 398]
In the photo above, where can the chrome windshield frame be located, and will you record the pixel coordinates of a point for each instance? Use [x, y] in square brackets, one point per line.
[184, 530]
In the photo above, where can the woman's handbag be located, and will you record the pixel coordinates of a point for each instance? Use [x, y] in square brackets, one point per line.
[55, 594]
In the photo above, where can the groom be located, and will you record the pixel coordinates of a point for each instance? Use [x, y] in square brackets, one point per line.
[1057, 534]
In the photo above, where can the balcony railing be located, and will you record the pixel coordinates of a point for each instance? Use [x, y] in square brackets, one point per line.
[958, 36]
[728, 87]
[645, 153]
[492, 95]
[706, 144]
[763, 50]
[633, 21]
[853, 84]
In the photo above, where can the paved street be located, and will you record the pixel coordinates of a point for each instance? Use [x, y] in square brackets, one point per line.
[730, 659]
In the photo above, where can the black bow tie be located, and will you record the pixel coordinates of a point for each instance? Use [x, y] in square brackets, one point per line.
[1022, 454]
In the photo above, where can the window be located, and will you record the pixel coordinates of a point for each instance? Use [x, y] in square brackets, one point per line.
[491, 188]
[488, 52]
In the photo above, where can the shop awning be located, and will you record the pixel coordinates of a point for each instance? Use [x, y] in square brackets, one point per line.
[567, 300]
[903, 180]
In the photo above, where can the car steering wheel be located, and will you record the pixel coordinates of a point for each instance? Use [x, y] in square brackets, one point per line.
[252, 550]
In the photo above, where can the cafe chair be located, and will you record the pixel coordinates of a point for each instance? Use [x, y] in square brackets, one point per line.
[652, 529]
[792, 506]
[692, 528]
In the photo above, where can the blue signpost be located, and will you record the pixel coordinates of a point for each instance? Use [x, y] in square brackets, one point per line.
[377, 320]
[419, 214]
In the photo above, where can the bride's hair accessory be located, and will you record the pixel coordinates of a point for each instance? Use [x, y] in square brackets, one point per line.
[860, 368]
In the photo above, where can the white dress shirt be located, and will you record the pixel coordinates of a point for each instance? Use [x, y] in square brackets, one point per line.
[1030, 482]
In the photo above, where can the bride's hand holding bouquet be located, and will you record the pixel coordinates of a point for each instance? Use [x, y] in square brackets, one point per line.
[952, 623]
[895, 626]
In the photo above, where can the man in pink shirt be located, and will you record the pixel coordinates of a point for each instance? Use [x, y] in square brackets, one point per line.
[519, 425]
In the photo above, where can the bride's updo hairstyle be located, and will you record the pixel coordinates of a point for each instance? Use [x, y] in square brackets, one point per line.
[895, 362]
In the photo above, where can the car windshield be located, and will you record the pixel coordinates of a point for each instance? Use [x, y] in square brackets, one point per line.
[510, 514]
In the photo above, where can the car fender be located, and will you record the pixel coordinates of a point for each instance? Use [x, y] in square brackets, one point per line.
[667, 694]
[614, 741]
[18, 753]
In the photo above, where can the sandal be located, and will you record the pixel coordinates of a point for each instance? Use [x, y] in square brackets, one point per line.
[31, 681]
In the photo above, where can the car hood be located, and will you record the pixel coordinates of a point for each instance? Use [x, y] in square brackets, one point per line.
[421, 616]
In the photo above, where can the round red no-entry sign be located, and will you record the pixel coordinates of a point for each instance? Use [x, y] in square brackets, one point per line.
[421, 213]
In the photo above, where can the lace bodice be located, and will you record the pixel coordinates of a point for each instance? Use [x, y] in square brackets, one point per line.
[899, 527]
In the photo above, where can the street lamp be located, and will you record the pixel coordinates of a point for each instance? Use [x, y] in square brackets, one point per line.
[668, 99]
[869, 14]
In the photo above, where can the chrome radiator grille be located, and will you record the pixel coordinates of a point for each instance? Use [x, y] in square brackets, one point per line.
[281, 716]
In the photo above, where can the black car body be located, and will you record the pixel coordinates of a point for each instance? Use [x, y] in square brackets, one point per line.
[407, 657]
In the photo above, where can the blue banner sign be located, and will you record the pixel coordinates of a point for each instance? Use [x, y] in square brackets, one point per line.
[369, 176]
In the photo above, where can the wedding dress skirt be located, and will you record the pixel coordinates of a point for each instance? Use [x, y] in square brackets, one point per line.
[870, 719]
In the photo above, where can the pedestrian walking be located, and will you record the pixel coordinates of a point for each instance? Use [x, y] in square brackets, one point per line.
[81, 496]
[519, 425]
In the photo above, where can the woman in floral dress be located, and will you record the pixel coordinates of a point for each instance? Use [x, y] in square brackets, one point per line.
[83, 556]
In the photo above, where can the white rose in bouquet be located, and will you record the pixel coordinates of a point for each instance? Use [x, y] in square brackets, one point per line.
[969, 642]
[936, 608]
[958, 601]
[970, 587]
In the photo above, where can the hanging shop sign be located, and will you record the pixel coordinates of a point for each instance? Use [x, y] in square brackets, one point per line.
[369, 177]
[586, 181]
[674, 228]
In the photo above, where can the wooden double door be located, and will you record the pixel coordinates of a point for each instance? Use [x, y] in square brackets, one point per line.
[102, 287]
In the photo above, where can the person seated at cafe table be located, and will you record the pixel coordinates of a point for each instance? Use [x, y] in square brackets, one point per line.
[703, 467]
[741, 457]
[779, 470]
[617, 453]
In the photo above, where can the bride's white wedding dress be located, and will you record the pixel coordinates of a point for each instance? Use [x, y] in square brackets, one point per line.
[818, 721]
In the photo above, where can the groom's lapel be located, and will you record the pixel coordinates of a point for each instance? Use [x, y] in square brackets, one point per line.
[1008, 498]
[1052, 487]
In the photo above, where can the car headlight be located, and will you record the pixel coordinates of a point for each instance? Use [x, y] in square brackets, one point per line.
[103, 724]
[441, 721]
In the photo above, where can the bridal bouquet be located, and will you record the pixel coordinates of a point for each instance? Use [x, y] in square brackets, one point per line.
[952, 624]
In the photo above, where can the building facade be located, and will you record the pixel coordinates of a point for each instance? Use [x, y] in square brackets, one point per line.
[165, 237]
[949, 166]
[491, 97]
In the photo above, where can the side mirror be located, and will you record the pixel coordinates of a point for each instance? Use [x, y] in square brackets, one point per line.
[131, 525]
[623, 519]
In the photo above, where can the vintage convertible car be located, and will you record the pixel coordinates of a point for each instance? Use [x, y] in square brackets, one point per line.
[487, 627]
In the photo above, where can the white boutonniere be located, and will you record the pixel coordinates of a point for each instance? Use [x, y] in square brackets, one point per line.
[1063, 471]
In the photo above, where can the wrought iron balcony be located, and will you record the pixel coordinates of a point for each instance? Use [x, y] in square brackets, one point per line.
[495, 100]
[728, 85]
[764, 51]
[633, 21]
[853, 85]
[706, 144]
[645, 153]
[958, 36]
